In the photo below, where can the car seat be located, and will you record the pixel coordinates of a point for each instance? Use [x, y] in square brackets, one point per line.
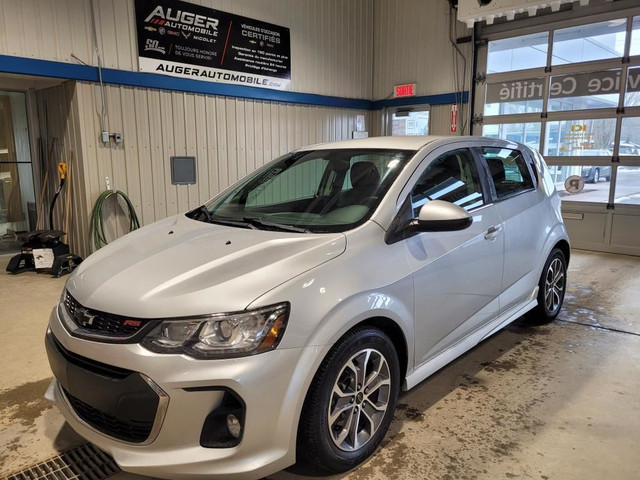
[364, 180]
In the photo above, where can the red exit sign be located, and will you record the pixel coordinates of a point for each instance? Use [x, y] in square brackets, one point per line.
[406, 90]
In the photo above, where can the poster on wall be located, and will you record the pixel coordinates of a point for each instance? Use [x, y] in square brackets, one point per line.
[189, 41]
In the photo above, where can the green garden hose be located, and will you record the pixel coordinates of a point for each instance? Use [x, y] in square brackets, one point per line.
[96, 228]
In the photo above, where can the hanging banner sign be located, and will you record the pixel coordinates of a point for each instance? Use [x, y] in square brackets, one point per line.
[563, 86]
[189, 41]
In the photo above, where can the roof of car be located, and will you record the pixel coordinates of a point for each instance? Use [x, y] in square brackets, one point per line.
[414, 142]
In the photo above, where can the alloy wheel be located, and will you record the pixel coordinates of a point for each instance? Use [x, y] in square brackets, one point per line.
[554, 285]
[359, 400]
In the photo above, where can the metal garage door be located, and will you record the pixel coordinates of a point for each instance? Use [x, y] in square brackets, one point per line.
[571, 89]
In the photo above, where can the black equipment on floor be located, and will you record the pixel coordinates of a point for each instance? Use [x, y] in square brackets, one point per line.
[44, 252]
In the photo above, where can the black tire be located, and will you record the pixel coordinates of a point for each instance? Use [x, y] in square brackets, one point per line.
[607, 179]
[552, 288]
[318, 435]
[596, 176]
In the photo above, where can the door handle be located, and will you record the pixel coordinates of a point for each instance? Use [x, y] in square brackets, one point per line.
[493, 232]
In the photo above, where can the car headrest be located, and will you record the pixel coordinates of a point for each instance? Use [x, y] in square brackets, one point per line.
[496, 167]
[364, 174]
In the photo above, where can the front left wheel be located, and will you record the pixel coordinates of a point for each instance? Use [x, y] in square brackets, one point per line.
[351, 401]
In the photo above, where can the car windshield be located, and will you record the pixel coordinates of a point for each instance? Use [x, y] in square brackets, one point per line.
[312, 191]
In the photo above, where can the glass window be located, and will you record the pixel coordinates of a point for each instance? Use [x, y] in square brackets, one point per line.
[591, 137]
[508, 98]
[630, 136]
[628, 185]
[508, 170]
[17, 194]
[632, 93]
[306, 191]
[635, 37]
[585, 90]
[300, 181]
[526, 133]
[592, 181]
[410, 123]
[518, 53]
[452, 177]
[585, 43]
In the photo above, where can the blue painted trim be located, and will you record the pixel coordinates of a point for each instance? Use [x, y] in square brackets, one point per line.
[440, 99]
[71, 71]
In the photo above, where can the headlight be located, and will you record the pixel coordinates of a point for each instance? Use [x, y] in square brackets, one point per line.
[221, 336]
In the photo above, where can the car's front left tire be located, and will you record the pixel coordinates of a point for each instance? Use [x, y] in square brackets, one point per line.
[350, 403]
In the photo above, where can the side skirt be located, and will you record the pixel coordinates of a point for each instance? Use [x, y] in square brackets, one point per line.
[447, 356]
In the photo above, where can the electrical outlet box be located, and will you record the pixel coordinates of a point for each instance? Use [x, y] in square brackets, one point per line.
[105, 137]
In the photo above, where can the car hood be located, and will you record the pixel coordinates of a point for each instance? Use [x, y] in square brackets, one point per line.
[179, 267]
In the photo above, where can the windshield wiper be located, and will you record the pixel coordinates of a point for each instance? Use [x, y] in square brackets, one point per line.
[204, 211]
[258, 222]
[232, 223]
[211, 218]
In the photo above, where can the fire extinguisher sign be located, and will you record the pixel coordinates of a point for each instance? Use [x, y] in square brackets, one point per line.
[454, 118]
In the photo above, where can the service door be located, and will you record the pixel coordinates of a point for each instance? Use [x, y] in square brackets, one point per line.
[457, 275]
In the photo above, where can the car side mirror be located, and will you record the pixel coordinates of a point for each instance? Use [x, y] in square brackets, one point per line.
[441, 216]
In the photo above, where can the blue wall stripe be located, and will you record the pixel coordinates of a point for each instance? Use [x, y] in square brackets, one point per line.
[48, 68]
[440, 99]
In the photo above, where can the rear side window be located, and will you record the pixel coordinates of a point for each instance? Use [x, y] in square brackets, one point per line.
[451, 177]
[508, 170]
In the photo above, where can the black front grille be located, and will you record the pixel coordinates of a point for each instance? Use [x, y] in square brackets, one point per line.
[102, 323]
[129, 431]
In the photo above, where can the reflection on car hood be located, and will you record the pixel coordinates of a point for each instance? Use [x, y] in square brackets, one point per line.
[180, 267]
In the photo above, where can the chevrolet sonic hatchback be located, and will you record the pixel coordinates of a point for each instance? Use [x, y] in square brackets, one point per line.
[278, 322]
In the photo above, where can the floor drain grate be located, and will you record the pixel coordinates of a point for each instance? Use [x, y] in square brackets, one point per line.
[85, 462]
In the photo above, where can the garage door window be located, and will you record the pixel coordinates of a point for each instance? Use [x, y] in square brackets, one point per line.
[585, 91]
[630, 136]
[527, 133]
[518, 53]
[632, 93]
[628, 186]
[508, 170]
[581, 138]
[585, 43]
[635, 37]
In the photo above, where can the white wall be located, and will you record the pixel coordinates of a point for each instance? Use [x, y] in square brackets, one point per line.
[229, 137]
[331, 40]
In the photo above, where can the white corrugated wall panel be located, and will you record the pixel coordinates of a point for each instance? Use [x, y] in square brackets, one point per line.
[412, 46]
[330, 40]
[229, 137]
[59, 118]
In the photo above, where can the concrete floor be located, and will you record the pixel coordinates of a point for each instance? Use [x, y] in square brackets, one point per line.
[560, 401]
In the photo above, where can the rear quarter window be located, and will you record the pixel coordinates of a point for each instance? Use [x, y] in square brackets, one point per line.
[508, 170]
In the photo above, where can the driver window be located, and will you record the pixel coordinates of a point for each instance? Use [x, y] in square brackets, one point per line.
[451, 177]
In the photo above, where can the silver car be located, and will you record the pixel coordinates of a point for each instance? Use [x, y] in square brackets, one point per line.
[279, 321]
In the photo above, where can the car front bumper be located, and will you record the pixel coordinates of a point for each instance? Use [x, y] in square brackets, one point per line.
[271, 386]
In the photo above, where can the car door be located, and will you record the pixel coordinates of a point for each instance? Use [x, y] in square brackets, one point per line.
[520, 205]
[457, 275]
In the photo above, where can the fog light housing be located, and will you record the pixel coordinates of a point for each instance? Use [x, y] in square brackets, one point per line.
[224, 426]
[233, 425]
